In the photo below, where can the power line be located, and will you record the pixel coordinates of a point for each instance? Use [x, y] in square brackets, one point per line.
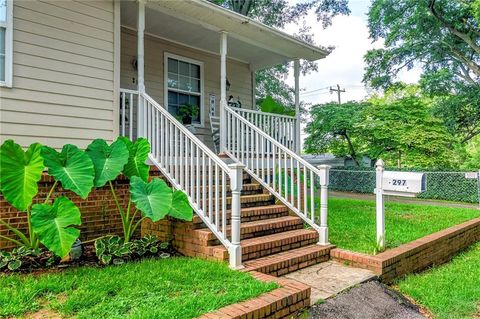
[339, 92]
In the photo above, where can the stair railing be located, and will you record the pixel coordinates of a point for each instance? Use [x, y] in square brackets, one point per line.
[189, 165]
[280, 127]
[281, 171]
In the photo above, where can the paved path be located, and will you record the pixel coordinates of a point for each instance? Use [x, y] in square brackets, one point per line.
[330, 278]
[407, 200]
[370, 300]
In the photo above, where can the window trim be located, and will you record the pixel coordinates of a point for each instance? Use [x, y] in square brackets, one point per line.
[8, 46]
[202, 93]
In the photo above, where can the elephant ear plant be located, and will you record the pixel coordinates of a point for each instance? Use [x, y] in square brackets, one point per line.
[48, 223]
[153, 200]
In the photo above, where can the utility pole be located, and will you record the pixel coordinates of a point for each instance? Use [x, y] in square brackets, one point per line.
[338, 92]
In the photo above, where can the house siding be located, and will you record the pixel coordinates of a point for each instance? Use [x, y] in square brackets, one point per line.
[63, 74]
[238, 74]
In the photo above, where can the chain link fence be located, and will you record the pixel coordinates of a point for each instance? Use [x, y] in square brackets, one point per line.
[452, 186]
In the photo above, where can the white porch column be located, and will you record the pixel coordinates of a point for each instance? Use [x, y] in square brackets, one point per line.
[223, 89]
[141, 114]
[296, 73]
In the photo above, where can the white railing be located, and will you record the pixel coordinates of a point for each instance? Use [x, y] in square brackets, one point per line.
[285, 174]
[192, 167]
[281, 127]
[128, 113]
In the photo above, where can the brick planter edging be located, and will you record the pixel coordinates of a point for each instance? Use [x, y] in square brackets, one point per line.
[279, 303]
[433, 249]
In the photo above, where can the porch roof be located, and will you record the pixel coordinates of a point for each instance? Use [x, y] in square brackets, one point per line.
[197, 23]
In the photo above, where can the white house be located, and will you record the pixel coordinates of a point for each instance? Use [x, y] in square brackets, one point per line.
[75, 70]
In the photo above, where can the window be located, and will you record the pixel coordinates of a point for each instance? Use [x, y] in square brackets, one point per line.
[184, 87]
[6, 42]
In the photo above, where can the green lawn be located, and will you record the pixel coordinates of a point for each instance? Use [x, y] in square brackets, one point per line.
[352, 222]
[165, 288]
[451, 291]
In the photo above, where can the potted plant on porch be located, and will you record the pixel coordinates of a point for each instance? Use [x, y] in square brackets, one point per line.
[187, 112]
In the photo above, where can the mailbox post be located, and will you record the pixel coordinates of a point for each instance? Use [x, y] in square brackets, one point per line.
[380, 210]
[406, 184]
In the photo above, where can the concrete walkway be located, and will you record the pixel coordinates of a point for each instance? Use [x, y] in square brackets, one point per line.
[330, 278]
[406, 200]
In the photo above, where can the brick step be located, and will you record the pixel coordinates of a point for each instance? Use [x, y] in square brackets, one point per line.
[247, 200]
[250, 214]
[254, 229]
[271, 244]
[289, 261]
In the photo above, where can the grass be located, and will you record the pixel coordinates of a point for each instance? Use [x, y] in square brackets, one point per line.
[166, 288]
[352, 222]
[451, 291]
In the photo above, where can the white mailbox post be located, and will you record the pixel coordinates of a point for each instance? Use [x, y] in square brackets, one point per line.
[407, 184]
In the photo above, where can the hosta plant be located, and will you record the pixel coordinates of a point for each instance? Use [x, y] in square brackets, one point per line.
[113, 249]
[148, 199]
[47, 223]
[12, 260]
[148, 245]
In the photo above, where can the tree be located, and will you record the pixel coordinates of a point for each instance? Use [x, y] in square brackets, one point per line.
[398, 127]
[333, 128]
[277, 14]
[441, 36]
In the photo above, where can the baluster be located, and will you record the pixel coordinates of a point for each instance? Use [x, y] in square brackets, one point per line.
[305, 191]
[123, 115]
[274, 159]
[217, 195]
[292, 177]
[197, 168]
[204, 182]
[299, 198]
[224, 205]
[210, 185]
[312, 198]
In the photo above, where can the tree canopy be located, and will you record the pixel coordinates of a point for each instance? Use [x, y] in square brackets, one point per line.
[398, 127]
[443, 38]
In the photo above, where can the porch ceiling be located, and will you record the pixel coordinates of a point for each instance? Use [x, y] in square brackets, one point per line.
[197, 23]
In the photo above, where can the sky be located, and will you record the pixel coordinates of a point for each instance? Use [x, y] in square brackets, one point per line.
[344, 66]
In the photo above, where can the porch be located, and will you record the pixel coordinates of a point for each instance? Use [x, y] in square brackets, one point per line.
[194, 54]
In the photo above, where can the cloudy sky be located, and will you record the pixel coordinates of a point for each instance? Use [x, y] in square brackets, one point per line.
[344, 66]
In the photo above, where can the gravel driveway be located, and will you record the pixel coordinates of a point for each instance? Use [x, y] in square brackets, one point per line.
[371, 300]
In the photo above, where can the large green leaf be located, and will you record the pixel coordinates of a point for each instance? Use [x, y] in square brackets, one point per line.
[51, 224]
[153, 199]
[180, 206]
[108, 161]
[138, 154]
[72, 167]
[19, 173]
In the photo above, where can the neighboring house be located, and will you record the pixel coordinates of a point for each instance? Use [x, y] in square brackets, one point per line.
[73, 71]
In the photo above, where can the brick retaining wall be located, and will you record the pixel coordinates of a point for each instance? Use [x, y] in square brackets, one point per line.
[283, 302]
[433, 249]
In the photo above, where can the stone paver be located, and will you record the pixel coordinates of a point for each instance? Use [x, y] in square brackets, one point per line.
[330, 278]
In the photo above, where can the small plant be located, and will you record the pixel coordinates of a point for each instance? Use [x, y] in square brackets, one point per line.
[153, 200]
[47, 223]
[187, 112]
[112, 249]
[148, 245]
[12, 260]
